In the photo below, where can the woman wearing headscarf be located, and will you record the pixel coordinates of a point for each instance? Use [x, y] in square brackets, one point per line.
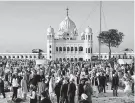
[51, 89]
[88, 91]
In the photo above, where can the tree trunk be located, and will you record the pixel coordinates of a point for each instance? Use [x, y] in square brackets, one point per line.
[109, 52]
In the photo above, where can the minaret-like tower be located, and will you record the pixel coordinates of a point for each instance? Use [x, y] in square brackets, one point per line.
[88, 43]
[50, 44]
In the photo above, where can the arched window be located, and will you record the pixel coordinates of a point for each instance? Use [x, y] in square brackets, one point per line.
[71, 48]
[68, 49]
[88, 37]
[105, 56]
[123, 56]
[26, 56]
[13, 56]
[34, 56]
[80, 59]
[60, 48]
[5, 57]
[88, 50]
[91, 37]
[56, 48]
[64, 48]
[75, 48]
[72, 59]
[17, 56]
[64, 59]
[21, 56]
[91, 50]
[119, 57]
[80, 48]
[30, 56]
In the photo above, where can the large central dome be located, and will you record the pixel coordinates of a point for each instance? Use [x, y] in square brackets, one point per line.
[67, 25]
[67, 29]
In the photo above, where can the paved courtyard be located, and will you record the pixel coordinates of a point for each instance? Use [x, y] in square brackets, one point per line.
[103, 98]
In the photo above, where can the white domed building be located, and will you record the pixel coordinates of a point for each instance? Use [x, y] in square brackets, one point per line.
[67, 44]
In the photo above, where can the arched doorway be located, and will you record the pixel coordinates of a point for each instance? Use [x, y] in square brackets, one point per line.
[60, 49]
[64, 48]
[80, 59]
[71, 59]
[68, 49]
[80, 48]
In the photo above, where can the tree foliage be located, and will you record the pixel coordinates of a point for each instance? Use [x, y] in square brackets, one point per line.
[111, 38]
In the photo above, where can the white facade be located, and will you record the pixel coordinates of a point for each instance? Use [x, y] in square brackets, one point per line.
[31, 56]
[34, 56]
[68, 44]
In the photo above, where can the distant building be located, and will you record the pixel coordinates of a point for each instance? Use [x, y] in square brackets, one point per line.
[67, 44]
[34, 56]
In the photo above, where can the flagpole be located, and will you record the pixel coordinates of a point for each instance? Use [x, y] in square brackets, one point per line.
[100, 31]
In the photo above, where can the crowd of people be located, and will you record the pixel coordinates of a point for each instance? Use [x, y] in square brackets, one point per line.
[65, 82]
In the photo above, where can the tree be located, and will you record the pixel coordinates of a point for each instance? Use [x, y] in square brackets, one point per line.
[111, 38]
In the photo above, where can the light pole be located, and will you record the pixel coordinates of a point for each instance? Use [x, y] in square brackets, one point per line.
[100, 30]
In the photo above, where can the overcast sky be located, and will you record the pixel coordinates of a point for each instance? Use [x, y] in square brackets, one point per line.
[23, 24]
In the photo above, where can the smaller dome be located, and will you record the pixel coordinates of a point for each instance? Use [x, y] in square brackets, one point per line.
[83, 33]
[50, 30]
[88, 30]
